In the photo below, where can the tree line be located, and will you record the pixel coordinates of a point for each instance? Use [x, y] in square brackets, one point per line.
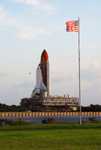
[21, 108]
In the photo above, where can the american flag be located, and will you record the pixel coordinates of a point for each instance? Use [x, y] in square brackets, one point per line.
[72, 26]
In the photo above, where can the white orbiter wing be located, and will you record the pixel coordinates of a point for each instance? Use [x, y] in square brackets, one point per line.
[39, 87]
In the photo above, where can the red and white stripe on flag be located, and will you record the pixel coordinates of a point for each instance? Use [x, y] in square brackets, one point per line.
[72, 26]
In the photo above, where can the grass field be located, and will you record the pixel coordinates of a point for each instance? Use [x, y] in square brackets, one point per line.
[51, 137]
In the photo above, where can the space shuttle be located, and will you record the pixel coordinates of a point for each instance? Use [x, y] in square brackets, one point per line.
[42, 76]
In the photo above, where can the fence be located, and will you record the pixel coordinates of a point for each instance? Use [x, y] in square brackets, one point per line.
[47, 114]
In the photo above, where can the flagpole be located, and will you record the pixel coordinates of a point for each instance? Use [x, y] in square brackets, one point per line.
[79, 71]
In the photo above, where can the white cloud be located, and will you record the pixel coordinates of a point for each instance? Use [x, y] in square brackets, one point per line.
[29, 2]
[39, 5]
[25, 34]
[22, 30]
[29, 33]
[5, 18]
[2, 13]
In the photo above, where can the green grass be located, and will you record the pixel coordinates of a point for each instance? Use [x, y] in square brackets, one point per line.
[51, 137]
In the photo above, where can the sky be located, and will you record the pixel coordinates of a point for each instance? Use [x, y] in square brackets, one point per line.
[29, 26]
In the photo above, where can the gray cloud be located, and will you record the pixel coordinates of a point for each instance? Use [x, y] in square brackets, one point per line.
[2, 74]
